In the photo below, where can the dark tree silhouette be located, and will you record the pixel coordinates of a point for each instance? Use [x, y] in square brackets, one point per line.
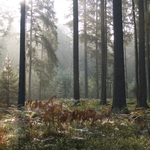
[85, 52]
[21, 98]
[142, 72]
[75, 50]
[30, 55]
[119, 95]
[147, 51]
[97, 50]
[136, 50]
[103, 54]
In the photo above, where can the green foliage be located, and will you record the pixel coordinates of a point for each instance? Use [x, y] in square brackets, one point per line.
[64, 84]
[8, 83]
[42, 42]
[132, 89]
[113, 131]
[6, 18]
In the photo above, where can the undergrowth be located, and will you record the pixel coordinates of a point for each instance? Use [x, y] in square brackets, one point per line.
[59, 125]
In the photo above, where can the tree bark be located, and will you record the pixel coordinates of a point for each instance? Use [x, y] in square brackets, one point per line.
[75, 50]
[103, 55]
[147, 52]
[97, 54]
[136, 51]
[30, 57]
[142, 71]
[21, 97]
[119, 95]
[41, 77]
[85, 53]
[126, 73]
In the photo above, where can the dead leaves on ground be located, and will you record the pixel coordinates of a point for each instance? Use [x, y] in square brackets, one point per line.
[58, 114]
[3, 105]
[2, 139]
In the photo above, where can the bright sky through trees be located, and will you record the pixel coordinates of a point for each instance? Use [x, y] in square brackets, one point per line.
[61, 8]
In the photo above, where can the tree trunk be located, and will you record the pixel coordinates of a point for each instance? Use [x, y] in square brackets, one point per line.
[147, 51]
[40, 83]
[126, 73]
[97, 55]
[119, 95]
[136, 51]
[75, 50]
[142, 72]
[103, 55]
[30, 57]
[21, 97]
[106, 41]
[85, 53]
[8, 84]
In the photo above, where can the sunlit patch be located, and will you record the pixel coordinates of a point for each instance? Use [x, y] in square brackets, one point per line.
[10, 3]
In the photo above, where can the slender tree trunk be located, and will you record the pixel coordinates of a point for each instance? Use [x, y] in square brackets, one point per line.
[142, 72]
[30, 57]
[105, 25]
[148, 53]
[21, 97]
[103, 55]
[8, 82]
[119, 95]
[41, 70]
[75, 50]
[97, 54]
[85, 53]
[136, 51]
[126, 73]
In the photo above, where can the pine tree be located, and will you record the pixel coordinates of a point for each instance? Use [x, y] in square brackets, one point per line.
[8, 83]
[41, 43]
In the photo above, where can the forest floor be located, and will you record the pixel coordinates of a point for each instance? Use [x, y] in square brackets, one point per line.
[59, 125]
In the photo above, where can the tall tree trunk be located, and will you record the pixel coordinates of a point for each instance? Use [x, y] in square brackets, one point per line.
[103, 54]
[126, 73]
[97, 54]
[21, 97]
[136, 51]
[75, 50]
[40, 84]
[85, 53]
[142, 72]
[30, 57]
[148, 53]
[119, 95]
[105, 25]
[8, 95]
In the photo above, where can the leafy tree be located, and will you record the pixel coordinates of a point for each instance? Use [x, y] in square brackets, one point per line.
[44, 41]
[63, 83]
[8, 83]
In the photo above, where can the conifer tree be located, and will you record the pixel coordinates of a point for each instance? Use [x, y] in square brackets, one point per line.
[8, 83]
